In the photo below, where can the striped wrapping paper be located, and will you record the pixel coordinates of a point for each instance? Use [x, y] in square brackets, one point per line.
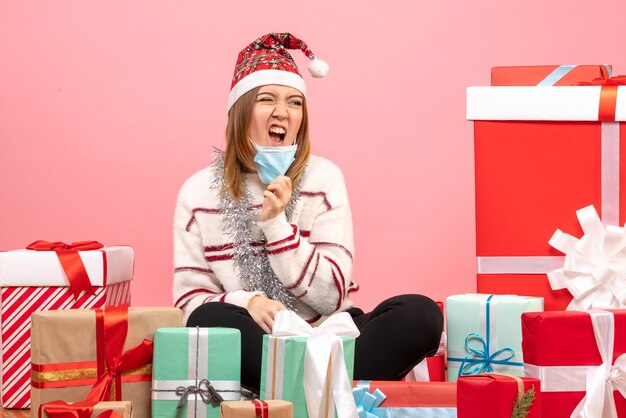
[22, 295]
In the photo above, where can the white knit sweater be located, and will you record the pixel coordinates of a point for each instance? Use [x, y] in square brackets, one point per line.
[312, 256]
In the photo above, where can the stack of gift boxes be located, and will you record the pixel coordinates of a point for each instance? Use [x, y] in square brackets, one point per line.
[545, 335]
[547, 155]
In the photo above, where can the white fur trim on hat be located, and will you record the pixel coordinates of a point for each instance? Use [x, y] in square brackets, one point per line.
[263, 78]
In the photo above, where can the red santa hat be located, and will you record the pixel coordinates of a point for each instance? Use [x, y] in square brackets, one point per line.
[266, 61]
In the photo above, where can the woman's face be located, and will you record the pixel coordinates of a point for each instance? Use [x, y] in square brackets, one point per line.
[276, 116]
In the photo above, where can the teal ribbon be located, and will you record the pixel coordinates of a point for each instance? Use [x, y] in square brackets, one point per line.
[366, 402]
[480, 360]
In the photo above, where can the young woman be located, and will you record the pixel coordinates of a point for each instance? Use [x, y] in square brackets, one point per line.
[267, 226]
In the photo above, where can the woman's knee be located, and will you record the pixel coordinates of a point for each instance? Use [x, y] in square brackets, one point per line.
[419, 305]
[215, 314]
[421, 314]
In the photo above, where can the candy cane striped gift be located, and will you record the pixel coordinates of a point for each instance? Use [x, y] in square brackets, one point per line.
[35, 281]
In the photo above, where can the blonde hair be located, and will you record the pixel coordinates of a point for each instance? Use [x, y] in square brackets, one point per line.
[239, 155]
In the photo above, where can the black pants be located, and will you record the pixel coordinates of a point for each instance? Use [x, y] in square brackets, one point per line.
[395, 336]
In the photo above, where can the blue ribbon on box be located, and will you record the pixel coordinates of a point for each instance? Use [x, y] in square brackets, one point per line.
[367, 405]
[480, 360]
[366, 402]
[416, 412]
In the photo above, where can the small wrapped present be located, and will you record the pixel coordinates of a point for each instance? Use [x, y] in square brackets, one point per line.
[540, 154]
[387, 399]
[96, 355]
[257, 409]
[485, 333]
[495, 395]
[580, 358]
[310, 367]
[547, 75]
[51, 276]
[194, 370]
[61, 409]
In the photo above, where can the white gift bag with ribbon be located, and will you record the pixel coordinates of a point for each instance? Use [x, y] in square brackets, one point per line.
[324, 353]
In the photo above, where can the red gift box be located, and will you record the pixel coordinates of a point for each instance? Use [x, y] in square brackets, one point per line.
[556, 75]
[413, 394]
[493, 395]
[540, 154]
[561, 348]
[62, 409]
[35, 281]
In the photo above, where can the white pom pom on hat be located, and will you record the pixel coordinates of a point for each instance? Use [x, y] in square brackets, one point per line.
[267, 61]
[318, 68]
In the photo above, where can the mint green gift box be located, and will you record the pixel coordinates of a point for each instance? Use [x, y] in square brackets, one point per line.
[184, 360]
[282, 370]
[485, 333]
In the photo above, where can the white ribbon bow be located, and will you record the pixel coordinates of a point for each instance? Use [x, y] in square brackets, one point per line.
[594, 270]
[323, 359]
[602, 380]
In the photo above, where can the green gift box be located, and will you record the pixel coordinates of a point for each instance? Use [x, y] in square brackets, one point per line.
[282, 371]
[485, 333]
[190, 365]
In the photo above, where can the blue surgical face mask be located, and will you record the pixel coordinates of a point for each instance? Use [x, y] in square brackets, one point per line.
[272, 162]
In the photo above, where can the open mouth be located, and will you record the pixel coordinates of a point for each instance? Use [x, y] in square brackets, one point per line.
[277, 135]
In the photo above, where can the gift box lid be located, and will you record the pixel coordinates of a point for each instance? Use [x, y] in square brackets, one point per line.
[558, 75]
[566, 338]
[559, 103]
[109, 265]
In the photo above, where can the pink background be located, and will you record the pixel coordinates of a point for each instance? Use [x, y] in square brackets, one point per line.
[106, 107]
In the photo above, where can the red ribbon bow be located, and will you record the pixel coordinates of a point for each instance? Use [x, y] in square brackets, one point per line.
[261, 408]
[71, 262]
[618, 80]
[111, 330]
[608, 95]
[62, 409]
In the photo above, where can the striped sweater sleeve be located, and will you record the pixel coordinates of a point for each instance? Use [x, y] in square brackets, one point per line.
[316, 265]
[195, 283]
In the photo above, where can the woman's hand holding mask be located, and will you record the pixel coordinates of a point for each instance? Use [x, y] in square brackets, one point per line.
[275, 198]
[263, 310]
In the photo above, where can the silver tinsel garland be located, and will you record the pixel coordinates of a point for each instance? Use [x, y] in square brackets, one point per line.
[251, 262]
